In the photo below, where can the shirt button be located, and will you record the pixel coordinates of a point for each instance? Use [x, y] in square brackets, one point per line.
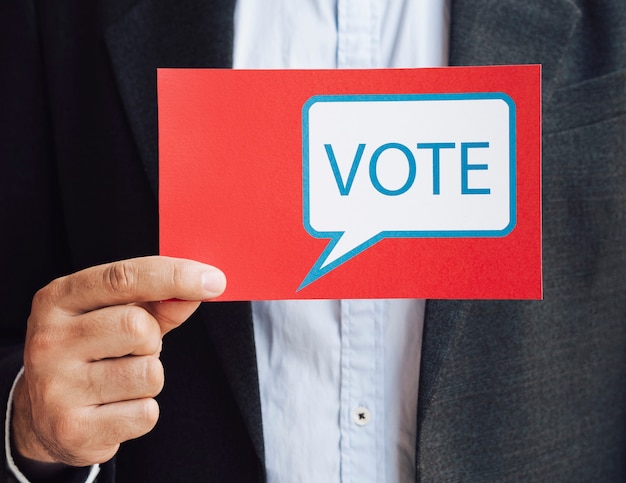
[361, 416]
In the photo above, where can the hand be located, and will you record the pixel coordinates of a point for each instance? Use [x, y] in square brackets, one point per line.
[91, 360]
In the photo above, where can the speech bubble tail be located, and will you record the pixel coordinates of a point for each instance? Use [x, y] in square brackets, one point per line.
[310, 278]
[319, 269]
[343, 247]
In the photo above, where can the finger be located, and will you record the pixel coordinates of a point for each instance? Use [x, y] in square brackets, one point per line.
[171, 314]
[94, 434]
[120, 421]
[102, 382]
[145, 279]
[123, 379]
[105, 333]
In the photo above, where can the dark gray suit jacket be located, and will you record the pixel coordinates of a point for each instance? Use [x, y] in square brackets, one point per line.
[509, 391]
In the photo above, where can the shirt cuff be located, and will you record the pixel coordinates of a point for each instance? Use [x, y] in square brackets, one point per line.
[19, 476]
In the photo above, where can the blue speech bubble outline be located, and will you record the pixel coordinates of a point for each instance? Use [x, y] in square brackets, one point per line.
[317, 271]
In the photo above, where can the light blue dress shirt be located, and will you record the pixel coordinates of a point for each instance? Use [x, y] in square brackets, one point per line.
[339, 379]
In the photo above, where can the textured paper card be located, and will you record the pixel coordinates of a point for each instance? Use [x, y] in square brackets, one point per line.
[355, 183]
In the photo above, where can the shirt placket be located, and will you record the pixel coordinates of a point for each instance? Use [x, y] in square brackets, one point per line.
[358, 34]
[362, 393]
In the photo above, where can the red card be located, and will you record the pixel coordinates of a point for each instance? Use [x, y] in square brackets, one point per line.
[355, 183]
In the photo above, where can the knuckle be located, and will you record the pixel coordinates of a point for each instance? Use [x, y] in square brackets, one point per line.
[49, 394]
[46, 297]
[44, 353]
[121, 277]
[43, 296]
[46, 333]
[140, 328]
[39, 345]
[177, 276]
[134, 323]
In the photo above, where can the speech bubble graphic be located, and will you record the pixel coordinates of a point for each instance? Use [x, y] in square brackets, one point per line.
[406, 166]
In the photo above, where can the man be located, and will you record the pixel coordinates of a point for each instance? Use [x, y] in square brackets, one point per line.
[508, 390]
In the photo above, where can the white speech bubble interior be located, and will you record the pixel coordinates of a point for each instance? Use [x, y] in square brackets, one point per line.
[377, 166]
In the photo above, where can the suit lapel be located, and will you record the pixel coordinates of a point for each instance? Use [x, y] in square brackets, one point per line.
[443, 320]
[142, 35]
[230, 328]
[488, 32]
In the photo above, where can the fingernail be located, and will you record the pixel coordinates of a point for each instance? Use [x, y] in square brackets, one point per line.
[214, 281]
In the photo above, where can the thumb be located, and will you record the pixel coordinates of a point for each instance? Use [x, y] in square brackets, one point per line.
[173, 312]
